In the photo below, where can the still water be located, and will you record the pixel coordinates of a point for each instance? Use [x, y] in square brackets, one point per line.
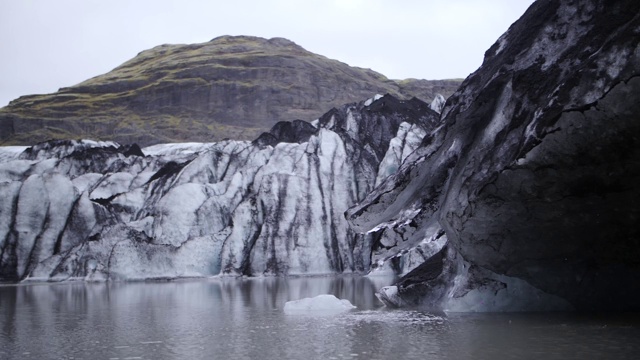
[243, 319]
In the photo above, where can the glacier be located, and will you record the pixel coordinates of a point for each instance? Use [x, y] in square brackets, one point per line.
[97, 211]
[518, 193]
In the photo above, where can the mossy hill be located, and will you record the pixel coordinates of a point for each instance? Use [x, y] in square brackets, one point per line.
[230, 87]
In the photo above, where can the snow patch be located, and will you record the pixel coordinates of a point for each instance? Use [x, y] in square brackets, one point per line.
[502, 42]
[371, 100]
[438, 103]
[100, 144]
[176, 149]
[501, 116]
[8, 153]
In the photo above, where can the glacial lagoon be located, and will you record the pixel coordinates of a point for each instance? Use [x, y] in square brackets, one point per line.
[231, 318]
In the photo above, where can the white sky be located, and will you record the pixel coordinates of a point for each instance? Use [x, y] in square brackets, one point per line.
[47, 44]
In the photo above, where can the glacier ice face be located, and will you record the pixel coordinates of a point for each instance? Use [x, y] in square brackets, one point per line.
[97, 210]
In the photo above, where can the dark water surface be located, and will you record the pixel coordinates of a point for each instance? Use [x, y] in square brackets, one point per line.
[243, 319]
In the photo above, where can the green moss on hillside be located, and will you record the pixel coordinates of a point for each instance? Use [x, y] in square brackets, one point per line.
[230, 87]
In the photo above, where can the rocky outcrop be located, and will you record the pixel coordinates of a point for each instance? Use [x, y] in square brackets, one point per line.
[532, 178]
[231, 87]
[97, 210]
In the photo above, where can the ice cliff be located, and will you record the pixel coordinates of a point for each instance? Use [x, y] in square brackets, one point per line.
[527, 196]
[97, 210]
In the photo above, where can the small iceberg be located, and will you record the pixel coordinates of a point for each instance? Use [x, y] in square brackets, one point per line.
[323, 304]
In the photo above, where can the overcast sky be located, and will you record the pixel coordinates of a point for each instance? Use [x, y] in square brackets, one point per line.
[46, 44]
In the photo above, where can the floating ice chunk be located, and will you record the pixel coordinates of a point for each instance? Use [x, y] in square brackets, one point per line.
[320, 304]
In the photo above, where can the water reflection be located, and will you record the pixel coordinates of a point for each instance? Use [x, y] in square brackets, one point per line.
[243, 319]
[60, 320]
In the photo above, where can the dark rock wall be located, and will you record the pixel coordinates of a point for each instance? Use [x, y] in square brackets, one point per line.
[534, 174]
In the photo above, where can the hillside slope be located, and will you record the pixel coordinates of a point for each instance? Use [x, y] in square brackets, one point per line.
[231, 87]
